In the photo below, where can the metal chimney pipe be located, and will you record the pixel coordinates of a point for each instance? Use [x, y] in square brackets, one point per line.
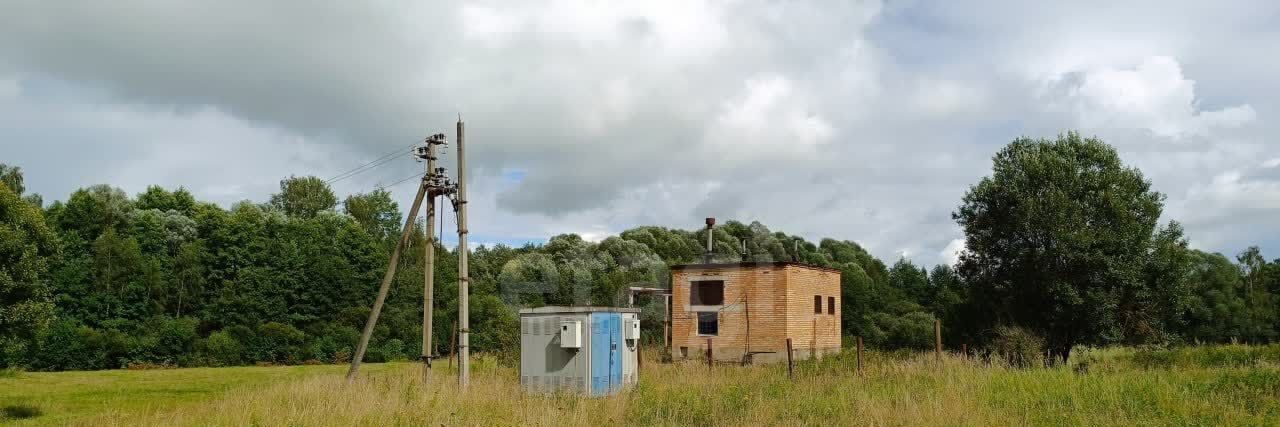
[711, 224]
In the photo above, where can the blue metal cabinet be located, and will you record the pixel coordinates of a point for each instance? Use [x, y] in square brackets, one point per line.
[606, 355]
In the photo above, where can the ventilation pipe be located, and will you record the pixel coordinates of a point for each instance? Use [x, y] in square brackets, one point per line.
[711, 223]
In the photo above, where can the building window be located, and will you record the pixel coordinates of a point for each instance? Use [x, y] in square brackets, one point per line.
[831, 305]
[708, 323]
[817, 304]
[706, 292]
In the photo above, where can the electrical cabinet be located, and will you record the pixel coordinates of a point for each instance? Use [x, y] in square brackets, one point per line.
[631, 329]
[570, 334]
[578, 349]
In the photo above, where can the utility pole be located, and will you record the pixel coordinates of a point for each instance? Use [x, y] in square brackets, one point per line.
[464, 278]
[435, 184]
[386, 283]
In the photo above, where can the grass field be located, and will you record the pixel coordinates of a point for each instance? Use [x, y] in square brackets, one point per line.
[1230, 385]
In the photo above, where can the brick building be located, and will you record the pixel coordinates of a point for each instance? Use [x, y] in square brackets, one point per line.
[748, 310]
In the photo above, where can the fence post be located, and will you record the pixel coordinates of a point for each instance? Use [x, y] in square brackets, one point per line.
[791, 373]
[453, 336]
[709, 355]
[964, 351]
[937, 340]
[859, 354]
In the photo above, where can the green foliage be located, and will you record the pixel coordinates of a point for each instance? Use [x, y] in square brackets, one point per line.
[26, 244]
[1057, 239]
[376, 213]
[223, 349]
[1214, 356]
[1018, 347]
[304, 197]
[1062, 240]
[11, 176]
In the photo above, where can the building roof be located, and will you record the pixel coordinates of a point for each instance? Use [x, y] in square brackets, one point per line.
[551, 309]
[751, 264]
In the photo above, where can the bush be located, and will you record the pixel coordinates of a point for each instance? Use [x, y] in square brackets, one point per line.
[222, 349]
[279, 343]
[1019, 347]
[913, 330]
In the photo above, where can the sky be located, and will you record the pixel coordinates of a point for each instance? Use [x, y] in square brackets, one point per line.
[860, 120]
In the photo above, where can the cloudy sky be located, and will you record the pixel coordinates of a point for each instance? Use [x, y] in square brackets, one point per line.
[861, 120]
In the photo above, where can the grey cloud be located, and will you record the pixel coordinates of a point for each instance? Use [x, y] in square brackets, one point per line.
[861, 121]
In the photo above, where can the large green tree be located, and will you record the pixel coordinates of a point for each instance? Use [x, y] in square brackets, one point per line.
[26, 244]
[1057, 238]
[377, 213]
[304, 196]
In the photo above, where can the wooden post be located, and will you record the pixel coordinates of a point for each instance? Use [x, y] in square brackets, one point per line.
[791, 373]
[453, 336]
[709, 356]
[386, 284]
[639, 356]
[859, 354]
[937, 340]
[964, 351]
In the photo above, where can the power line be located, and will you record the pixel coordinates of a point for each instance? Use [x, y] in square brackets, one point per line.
[370, 165]
[405, 179]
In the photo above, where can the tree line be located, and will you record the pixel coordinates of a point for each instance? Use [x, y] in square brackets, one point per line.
[1062, 243]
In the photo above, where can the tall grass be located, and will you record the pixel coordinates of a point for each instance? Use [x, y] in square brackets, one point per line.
[893, 390]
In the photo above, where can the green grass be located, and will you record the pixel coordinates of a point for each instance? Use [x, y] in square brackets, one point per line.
[55, 398]
[1118, 387]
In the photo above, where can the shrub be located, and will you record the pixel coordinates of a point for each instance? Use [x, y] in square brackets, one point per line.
[1019, 347]
[223, 349]
[18, 412]
[279, 343]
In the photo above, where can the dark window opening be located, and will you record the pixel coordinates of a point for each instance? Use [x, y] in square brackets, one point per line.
[709, 323]
[817, 304]
[831, 305]
[706, 292]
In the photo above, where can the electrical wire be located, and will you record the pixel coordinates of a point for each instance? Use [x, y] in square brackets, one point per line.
[404, 179]
[370, 165]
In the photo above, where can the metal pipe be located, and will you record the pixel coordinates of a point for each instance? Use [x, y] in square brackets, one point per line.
[711, 223]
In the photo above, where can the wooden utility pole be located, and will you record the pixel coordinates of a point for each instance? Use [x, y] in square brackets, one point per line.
[386, 284]
[429, 265]
[464, 278]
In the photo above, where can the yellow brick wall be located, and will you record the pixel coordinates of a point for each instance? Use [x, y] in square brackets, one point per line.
[809, 330]
[778, 300]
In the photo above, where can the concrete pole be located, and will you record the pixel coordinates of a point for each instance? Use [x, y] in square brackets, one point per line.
[386, 285]
[464, 278]
[429, 270]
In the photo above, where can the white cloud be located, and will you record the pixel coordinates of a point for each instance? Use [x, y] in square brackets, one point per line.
[951, 253]
[1154, 96]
